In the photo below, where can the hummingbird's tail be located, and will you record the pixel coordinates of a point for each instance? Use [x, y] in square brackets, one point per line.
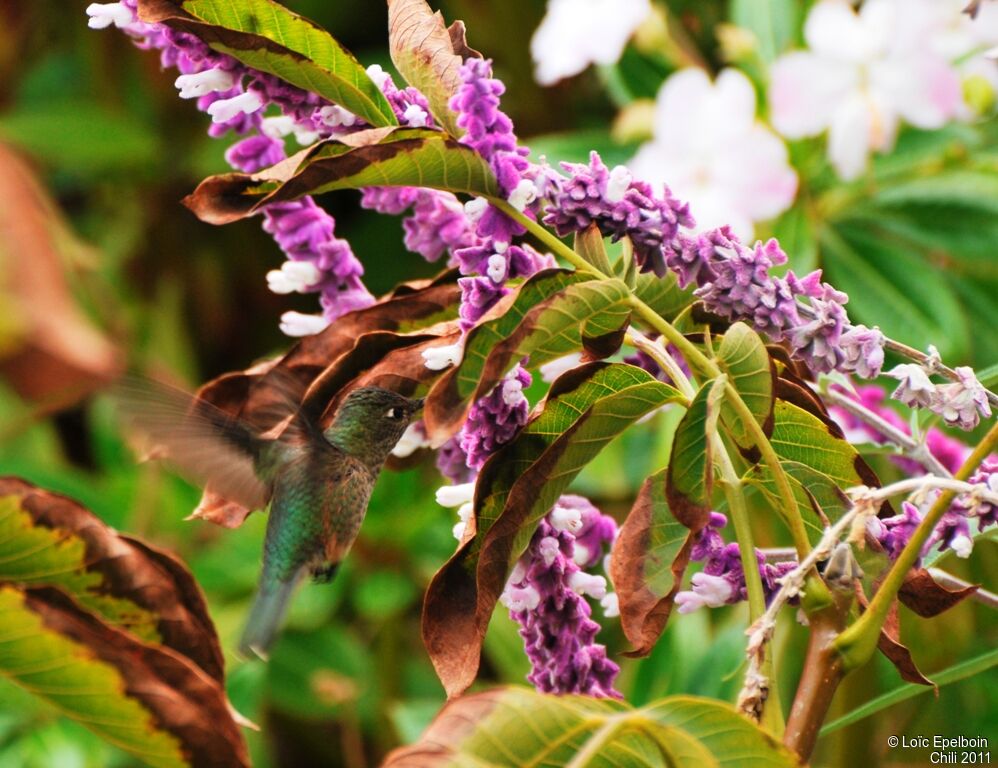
[265, 618]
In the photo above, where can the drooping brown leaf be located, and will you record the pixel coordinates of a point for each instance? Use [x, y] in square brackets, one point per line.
[49, 352]
[428, 54]
[184, 700]
[889, 643]
[139, 587]
[927, 597]
[650, 556]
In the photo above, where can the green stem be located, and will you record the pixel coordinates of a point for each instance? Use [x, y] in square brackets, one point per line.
[859, 641]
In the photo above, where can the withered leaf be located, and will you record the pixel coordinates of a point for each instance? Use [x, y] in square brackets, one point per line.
[650, 556]
[925, 596]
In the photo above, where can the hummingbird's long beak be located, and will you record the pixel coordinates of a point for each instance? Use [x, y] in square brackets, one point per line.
[418, 404]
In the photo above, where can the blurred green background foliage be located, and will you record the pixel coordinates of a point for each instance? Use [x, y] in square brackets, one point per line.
[108, 137]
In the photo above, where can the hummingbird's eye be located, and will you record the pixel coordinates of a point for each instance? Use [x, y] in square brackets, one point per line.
[395, 413]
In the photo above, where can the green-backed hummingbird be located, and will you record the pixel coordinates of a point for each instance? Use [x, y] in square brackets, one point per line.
[318, 482]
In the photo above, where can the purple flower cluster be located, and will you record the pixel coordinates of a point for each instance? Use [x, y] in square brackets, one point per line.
[735, 282]
[545, 595]
[961, 403]
[495, 419]
[620, 206]
[722, 580]
[953, 530]
[236, 97]
[950, 452]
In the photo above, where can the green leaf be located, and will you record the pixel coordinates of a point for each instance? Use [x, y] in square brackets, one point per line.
[590, 246]
[585, 409]
[62, 670]
[743, 356]
[952, 674]
[662, 294]
[552, 314]
[690, 477]
[802, 437]
[650, 556]
[886, 287]
[267, 36]
[515, 727]
[110, 631]
[386, 157]
[773, 22]
[428, 55]
[816, 494]
[964, 188]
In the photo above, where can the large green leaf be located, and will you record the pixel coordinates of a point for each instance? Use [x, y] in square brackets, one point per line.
[742, 355]
[553, 313]
[379, 157]
[585, 409]
[799, 436]
[690, 475]
[964, 188]
[267, 36]
[110, 631]
[650, 556]
[515, 727]
[428, 55]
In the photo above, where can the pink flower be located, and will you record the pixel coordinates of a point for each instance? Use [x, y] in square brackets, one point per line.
[865, 71]
[712, 151]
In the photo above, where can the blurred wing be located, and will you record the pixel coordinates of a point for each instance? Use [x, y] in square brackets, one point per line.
[204, 443]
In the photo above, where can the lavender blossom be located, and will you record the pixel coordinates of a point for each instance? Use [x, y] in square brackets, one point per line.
[961, 403]
[619, 206]
[735, 282]
[545, 595]
[437, 223]
[722, 581]
[496, 418]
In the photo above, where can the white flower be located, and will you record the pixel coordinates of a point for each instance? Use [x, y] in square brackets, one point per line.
[577, 33]
[298, 324]
[611, 605]
[208, 81]
[523, 194]
[223, 110]
[583, 583]
[496, 269]
[565, 519]
[580, 554]
[512, 391]
[554, 369]
[864, 72]
[438, 358]
[378, 75]
[416, 116]
[293, 276]
[517, 599]
[620, 180]
[411, 441]
[455, 495]
[103, 15]
[474, 209]
[712, 152]
[710, 591]
[915, 387]
[335, 116]
[549, 547]
[962, 546]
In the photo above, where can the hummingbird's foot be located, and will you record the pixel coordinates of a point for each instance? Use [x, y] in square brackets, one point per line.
[325, 573]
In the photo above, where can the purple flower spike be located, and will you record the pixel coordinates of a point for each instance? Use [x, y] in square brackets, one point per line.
[437, 223]
[546, 596]
[619, 206]
[496, 418]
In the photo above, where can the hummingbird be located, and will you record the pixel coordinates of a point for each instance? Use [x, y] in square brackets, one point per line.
[318, 482]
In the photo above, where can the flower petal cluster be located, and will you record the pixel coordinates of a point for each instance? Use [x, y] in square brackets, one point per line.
[961, 403]
[711, 150]
[620, 206]
[546, 594]
[437, 223]
[496, 418]
[722, 580]
[576, 33]
[734, 281]
[866, 70]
